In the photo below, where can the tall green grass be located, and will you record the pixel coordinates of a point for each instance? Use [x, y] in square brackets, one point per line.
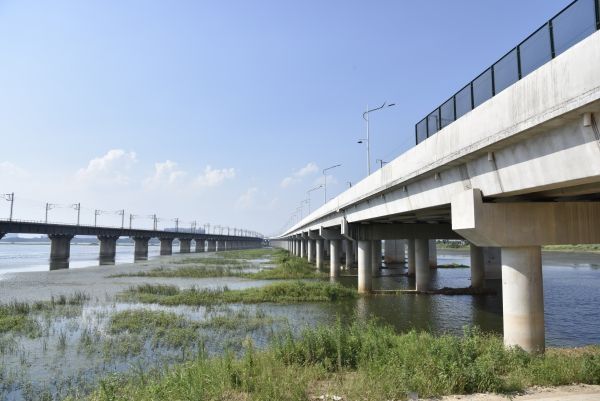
[284, 292]
[362, 361]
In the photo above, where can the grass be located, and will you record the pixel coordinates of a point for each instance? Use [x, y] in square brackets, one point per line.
[239, 320]
[452, 266]
[287, 267]
[17, 317]
[362, 361]
[573, 248]
[163, 328]
[285, 292]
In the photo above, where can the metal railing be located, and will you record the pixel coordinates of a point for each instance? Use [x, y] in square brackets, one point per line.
[574, 23]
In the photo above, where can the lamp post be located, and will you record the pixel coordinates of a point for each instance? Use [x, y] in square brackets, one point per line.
[368, 139]
[10, 198]
[308, 195]
[381, 162]
[325, 179]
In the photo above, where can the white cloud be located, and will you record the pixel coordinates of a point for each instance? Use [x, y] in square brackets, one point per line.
[247, 199]
[212, 177]
[109, 168]
[165, 173]
[307, 170]
[8, 169]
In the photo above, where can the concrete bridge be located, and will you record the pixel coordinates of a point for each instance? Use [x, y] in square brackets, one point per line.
[518, 171]
[61, 235]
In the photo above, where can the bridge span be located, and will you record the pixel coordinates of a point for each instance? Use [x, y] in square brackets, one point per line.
[60, 236]
[518, 171]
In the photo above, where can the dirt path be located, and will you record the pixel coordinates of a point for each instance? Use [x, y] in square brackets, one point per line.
[563, 393]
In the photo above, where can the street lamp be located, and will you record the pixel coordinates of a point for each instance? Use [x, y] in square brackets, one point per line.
[381, 162]
[368, 139]
[325, 179]
[308, 194]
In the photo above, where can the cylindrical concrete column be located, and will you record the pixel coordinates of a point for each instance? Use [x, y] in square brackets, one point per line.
[320, 253]
[108, 249]
[185, 245]
[200, 243]
[60, 250]
[492, 261]
[349, 254]
[422, 273]
[140, 251]
[410, 257]
[477, 270]
[365, 282]
[311, 250]
[523, 298]
[303, 247]
[166, 246]
[432, 253]
[394, 251]
[375, 257]
[326, 248]
[335, 246]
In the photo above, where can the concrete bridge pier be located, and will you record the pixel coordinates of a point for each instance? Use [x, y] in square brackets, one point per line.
[320, 253]
[365, 282]
[523, 298]
[326, 248]
[477, 266]
[166, 246]
[60, 250]
[410, 257]
[335, 247]
[303, 246]
[394, 251]
[432, 254]
[199, 246]
[422, 271]
[185, 245]
[211, 246]
[108, 249]
[140, 249]
[311, 251]
[376, 257]
[349, 254]
[295, 247]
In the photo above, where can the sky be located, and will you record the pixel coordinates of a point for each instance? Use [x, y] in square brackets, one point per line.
[225, 112]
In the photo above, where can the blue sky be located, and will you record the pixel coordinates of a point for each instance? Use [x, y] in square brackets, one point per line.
[225, 111]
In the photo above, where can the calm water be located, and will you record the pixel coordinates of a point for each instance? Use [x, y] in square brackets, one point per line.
[23, 257]
[571, 293]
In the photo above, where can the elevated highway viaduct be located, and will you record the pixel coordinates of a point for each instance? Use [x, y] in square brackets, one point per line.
[519, 171]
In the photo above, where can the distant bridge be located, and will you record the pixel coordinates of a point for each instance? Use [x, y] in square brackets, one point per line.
[61, 235]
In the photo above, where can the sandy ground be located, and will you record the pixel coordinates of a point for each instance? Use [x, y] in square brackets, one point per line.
[581, 392]
[96, 281]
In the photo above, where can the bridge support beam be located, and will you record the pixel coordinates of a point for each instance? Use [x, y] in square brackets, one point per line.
[335, 247]
[523, 298]
[60, 250]
[376, 257]
[411, 262]
[200, 243]
[166, 246]
[140, 251]
[423, 271]
[320, 253]
[365, 282]
[185, 245]
[108, 249]
[477, 266]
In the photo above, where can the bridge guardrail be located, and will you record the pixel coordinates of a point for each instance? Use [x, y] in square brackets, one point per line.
[571, 25]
